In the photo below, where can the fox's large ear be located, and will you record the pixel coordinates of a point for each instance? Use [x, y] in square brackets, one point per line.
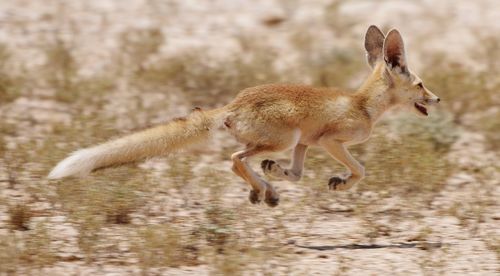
[394, 52]
[374, 43]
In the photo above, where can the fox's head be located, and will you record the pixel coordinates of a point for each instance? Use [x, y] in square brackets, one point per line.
[406, 87]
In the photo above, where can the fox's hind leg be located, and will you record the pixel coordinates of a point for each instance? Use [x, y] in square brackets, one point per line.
[260, 188]
[294, 173]
[260, 137]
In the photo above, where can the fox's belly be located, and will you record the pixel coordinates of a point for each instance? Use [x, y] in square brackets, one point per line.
[344, 131]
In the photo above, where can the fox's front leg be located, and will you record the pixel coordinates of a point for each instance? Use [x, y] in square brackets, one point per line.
[356, 171]
[294, 173]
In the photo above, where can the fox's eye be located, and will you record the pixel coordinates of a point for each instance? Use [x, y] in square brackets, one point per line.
[420, 85]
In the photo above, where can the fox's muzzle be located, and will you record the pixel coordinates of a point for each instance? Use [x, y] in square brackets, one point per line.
[430, 98]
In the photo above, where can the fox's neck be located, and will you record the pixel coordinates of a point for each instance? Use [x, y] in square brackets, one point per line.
[375, 95]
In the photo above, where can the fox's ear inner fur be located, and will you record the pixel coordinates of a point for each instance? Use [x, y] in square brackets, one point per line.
[374, 43]
[394, 52]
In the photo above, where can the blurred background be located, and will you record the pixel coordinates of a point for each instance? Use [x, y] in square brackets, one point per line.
[76, 73]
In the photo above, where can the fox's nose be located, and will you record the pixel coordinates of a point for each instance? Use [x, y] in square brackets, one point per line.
[438, 100]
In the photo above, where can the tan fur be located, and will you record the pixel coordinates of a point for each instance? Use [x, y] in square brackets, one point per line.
[277, 117]
[159, 140]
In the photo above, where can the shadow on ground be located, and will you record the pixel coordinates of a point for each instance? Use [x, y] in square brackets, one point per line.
[420, 245]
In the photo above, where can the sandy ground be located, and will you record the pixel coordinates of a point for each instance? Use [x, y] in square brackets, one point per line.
[333, 238]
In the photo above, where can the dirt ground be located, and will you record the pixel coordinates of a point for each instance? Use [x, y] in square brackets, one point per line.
[76, 73]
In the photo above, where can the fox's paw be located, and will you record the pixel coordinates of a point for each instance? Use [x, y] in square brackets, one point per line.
[337, 184]
[254, 197]
[273, 169]
[272, 198]
[268, 166]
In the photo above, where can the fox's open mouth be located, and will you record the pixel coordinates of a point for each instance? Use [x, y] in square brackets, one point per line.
[420, 107]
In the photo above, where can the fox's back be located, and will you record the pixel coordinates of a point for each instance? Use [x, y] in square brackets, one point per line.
[286, 103]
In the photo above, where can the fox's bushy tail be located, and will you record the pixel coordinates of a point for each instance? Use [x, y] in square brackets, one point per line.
[160, 140]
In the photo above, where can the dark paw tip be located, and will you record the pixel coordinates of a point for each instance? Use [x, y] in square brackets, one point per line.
[263, 164]
[267, 164]
[335, 181]
[254, 197]
[272, 201]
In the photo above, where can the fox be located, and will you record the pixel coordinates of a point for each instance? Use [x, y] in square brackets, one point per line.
[277, 117]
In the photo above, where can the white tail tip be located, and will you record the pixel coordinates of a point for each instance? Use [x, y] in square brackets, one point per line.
[79, 163]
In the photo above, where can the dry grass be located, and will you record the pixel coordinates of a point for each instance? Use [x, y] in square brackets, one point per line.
[404, 159]
[137, 46]
[462, 91]
[20, 216]
[60, 73]
[108, 198]
[320, 67]
[494, 245]
[165, 246]
[200, 77]
[343, 265]
[28, 249]
[471, 96]
[60, 69]
[414, 156]
[92, 205]
[208, 81]
[10, 82]
[217, 229]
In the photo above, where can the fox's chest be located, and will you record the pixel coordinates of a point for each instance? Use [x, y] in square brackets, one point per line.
[359, 137]
[355, 131]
